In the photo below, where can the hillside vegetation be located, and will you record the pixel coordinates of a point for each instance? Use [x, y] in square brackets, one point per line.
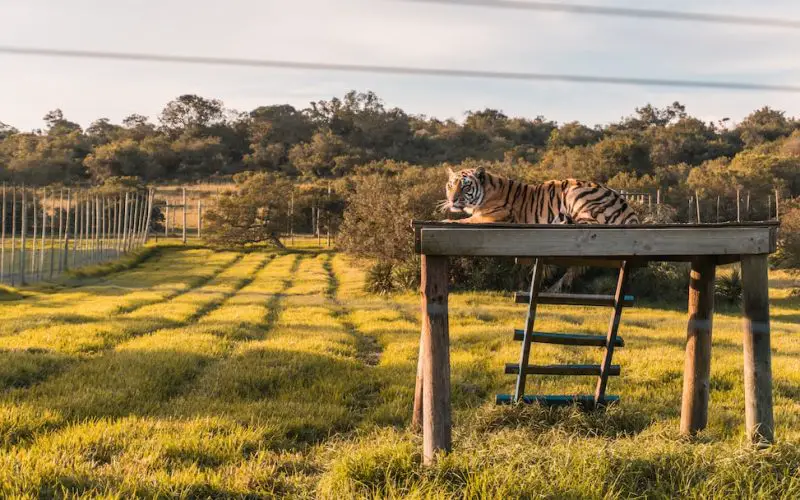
[204, 373]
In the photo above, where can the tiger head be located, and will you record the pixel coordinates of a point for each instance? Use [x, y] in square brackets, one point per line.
[465, 190]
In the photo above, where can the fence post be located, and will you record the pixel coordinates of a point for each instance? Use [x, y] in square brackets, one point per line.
[125, 225]
[118, 244]
[76, 237]
[13, 232]
[738, 206]
[199, 219]
[184, 215]
[35, 236]
[22, 237]
[697, 206]
[150, 195]
[65, 255]
[3, 239]
[44, 235]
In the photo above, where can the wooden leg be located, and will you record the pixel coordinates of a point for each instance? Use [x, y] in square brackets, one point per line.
[436, 420]
[416, 418]
[697, 368]
[757, 356]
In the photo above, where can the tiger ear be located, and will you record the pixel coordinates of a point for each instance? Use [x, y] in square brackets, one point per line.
[480, 173]
[450, 172]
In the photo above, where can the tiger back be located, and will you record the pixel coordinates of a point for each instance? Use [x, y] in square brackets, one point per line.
[493, 198]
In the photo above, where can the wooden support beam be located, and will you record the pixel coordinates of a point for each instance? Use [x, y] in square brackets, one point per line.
[416, 417]
[697, 367]
[757, 356]
[597, 241]
[436, 421]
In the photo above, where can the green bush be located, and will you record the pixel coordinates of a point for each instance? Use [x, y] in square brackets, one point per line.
[728, 288]
[405, 275]
[379, 279]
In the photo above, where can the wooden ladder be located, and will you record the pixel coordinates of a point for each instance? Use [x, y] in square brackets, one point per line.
[608, 342]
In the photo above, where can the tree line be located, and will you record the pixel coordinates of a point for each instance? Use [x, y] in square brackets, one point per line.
[199, 138]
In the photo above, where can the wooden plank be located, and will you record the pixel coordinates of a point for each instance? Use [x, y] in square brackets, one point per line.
[525, 349]
[697, 367]
[569, 227]
[513, 369]
[606, 367]
[436, 420]
[585, 401]
[757, 356]
[573, 299]
[556, 241]
[578, 339]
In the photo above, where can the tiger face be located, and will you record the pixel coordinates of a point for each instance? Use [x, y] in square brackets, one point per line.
[465, 189]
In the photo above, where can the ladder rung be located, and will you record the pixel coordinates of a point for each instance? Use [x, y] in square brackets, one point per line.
[568, 339]
[582, 262]
[572, 299]
[513, 369]
[583, 400]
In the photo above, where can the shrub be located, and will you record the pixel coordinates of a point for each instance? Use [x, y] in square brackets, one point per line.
[728, 288]
[405, 275]
[256, 212]
[788, 255]
[379, 278]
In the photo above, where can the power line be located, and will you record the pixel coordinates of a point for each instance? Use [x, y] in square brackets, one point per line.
[669, 15]
[397, 70]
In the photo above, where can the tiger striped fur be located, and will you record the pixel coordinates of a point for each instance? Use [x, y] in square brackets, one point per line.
[492, 198]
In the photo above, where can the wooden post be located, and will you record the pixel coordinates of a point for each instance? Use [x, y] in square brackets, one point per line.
[697, 367]
[536, 281]
[199, 219]
[87, 214]
[757, 356]
[436, 421]
[658, 203]
[328, 214]
[166, 220]
[184, 216]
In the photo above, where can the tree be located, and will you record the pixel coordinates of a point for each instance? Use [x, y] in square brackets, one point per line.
[255, 212]
[763, 125]
[190, 114]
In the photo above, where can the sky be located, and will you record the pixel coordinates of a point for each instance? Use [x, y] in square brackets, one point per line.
[390, 33]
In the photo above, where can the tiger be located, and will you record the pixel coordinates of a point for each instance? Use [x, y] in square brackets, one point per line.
[492, 198]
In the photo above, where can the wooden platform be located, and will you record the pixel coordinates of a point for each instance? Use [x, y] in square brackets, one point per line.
[704, 245]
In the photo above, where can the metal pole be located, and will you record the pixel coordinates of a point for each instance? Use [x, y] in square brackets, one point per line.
[125, 224]
[35, 236]
[3, 239]
[13, 231]
[697, 206]
[738, 206]
[44, 235]
[22, 237]
[65, 257]
[184, 216]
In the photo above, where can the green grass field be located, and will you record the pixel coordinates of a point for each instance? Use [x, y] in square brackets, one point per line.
[201, 373]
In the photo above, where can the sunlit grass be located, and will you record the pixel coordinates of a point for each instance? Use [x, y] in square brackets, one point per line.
[220, 374]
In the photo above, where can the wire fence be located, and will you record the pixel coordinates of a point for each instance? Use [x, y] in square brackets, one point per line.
[46, 232]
